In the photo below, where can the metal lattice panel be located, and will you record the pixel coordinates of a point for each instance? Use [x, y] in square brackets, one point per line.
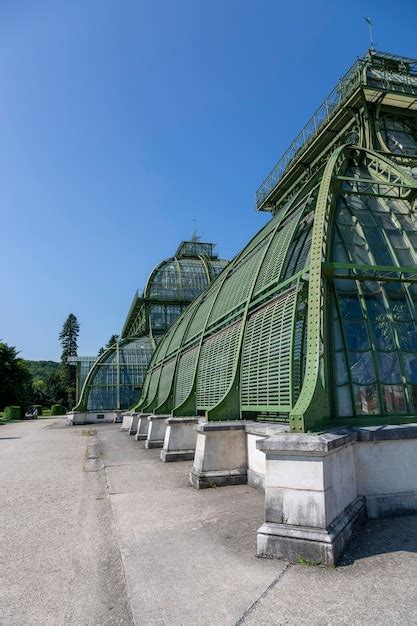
[266, 356]
[185, 375]
[199, 320]
[216, 366]
[179, 330]
[274, 259]
[153, 386]
[165, 381]
[236, 288]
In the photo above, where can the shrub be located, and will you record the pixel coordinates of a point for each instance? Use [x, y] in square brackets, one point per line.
[58, 409]
[12, 413]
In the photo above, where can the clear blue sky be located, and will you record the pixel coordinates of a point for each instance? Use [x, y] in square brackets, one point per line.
[122, 121]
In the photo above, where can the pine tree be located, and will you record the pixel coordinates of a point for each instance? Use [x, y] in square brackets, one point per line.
[113, 339]
[68, 338]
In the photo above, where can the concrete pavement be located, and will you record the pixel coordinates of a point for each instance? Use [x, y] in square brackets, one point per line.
[134, 543]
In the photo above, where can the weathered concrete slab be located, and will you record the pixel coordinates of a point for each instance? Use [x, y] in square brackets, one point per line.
[59, 558]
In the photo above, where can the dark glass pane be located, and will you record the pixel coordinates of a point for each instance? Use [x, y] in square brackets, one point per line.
[389, 367]
[375, 307]
[407, 337]
[361, 368]
[344, 401]
[410, 364]
[341, 369]
[356, 336]
[393, 399]
[366, 400]
[383, 336]
[412, 395]
[350, 307]
[399, 308]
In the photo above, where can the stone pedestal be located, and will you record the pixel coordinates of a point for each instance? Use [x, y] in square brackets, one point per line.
[127, 421]
[156, 431]
[311, 501]
[256, 431]
[220, 455]
[134, 426]
[180, 439]
[77, 418]
[142, 427]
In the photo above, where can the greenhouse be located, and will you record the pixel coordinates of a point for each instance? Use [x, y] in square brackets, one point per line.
[314, 322]
[113, 381]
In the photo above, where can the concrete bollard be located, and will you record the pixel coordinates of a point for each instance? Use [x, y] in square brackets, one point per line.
[180, 439]
[156, 431]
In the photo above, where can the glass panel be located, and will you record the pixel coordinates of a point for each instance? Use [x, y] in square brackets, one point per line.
[344, 401]
[350, 307]
[341, 369]
[366, 400]
[361, 367]
[356, 336]
[407, 337]
[383, 335]
[389, 367]
[410, 364]
[393, 399]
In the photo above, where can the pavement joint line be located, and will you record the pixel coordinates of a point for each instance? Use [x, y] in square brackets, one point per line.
[263, 595]
[125, 579]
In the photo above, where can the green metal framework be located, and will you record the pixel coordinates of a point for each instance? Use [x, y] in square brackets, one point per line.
[314, 322]
[114, 380]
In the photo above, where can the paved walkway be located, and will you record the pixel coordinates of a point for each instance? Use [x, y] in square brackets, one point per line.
[79, 546]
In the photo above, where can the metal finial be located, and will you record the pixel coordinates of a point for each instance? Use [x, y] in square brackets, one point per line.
[371, 33]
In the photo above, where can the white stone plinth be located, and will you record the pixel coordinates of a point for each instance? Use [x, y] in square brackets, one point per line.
[142, 427]
[220, 455]
[311, 501]
[256, 431]
[156, 431]
[134, 425]
[127, 421]
[180, 439]
[78, 418]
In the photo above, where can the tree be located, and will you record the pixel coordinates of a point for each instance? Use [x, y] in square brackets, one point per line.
[68, 338]
[15, 378]
[113, 339]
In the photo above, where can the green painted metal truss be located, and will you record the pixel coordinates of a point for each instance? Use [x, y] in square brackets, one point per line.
[315, 322]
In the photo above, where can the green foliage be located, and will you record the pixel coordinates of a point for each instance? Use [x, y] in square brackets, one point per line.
[15, 378]
[40, 370]
[12, 412]
[55, 389]
[58, 409]
[113, 339]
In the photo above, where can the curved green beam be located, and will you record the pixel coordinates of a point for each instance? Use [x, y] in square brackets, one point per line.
[312, 409]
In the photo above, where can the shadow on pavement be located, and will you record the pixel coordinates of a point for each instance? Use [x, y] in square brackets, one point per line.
[381, 536]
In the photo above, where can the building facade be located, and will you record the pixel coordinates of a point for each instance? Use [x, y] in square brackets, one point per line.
[314, 322]
[113, 381]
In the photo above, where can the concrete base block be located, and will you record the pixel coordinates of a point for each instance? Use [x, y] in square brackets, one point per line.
[134, 426]
[142, 428]
[220, 455]
[169, 456]
[391, 504]
[221, 478]
[324, 546]
[156, 431]
[180, 439]
[256, 480]
[127, 421]
[77, 418]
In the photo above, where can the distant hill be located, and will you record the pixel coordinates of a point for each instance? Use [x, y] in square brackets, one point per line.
[41, 369]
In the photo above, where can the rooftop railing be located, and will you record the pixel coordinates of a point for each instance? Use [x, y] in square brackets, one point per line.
[352, 79]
